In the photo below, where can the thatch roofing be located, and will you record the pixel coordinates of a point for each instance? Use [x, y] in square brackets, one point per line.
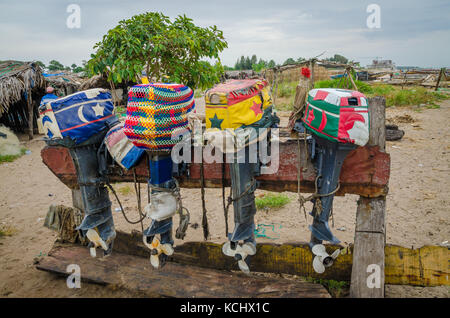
[17, 79]
[64, 83]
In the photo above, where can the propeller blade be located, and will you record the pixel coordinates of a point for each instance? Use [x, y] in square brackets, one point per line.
[318, 266]
[226, 249]
[93, 252]
[155, 243]
[319, 250]
[154, 260]
[93, 236]
[243, 266]
[249, 248]
[335, 254]
[167, 249]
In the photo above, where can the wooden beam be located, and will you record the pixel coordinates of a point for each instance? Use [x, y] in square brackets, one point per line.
[442, 72]
[370, 236]
[365, 171]
[173, 280]
[425, 266]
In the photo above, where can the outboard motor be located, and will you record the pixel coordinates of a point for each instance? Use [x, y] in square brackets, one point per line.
[80, 122]
[242, 241]
[242, 106]
[338, 121]
[156, 121]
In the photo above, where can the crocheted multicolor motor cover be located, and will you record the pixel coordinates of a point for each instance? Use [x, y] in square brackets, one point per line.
[157, 115]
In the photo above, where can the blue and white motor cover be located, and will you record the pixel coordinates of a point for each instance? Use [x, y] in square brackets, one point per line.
[77, 116]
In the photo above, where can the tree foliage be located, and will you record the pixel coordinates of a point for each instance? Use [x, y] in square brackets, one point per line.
[41, 64]
[338, 58]
[166, 50]
[54, 65]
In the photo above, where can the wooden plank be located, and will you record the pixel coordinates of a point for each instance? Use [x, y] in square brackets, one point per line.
[368, 252]
[425, 266]
[370, 214]
[173, 280]
[365, 172]
[377, 134]
[370, 237]
[294, 258]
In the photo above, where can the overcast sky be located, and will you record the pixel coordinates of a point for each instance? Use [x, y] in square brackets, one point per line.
[412, 32]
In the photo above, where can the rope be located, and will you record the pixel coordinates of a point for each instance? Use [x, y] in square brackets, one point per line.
[301, 199]
[121, 208]
[204, 217]
[137, 190]
[225, 208]
[231, 200]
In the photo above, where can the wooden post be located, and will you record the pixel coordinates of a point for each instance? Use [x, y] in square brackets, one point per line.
[367, 280]
[441, 72]
[30, 114]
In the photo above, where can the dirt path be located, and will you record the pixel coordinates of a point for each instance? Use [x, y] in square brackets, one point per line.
[417, 209]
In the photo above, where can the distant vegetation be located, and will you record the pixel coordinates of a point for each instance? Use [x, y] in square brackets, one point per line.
[395, 95]
[253, 63]
[54, 66]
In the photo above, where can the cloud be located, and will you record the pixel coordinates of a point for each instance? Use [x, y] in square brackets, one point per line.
[412, 32]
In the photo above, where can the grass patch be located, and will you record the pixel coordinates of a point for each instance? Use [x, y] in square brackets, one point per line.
[272, 201]
[11, 158]
[395, 95]
[126, 190]
[120, 110]
[7, 230]
[413, 96]
[337, 83]
[336, 288]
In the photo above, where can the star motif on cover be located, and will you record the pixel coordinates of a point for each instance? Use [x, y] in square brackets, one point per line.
[256, 108]
[216, 122]
[98, 110]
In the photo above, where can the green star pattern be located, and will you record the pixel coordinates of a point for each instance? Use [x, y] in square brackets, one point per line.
[216, 122]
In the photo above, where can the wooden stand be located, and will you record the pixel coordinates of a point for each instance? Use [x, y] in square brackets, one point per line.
[370, 235]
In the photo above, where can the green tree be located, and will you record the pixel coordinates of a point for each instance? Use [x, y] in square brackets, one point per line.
[338, 58]
[254, 59]
[54, 65]
[289, 61]
[76, 69]
[248, 63]
[164, 49]
[271, 64]
[42, 65]
[242, 63]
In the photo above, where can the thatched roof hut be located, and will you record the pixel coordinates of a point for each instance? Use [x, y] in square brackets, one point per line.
[64, 83]
[21, 88]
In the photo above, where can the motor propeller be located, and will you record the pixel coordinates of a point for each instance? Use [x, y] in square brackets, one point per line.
[240, 253]
[156, 249]
[95, 241]
[322, 259]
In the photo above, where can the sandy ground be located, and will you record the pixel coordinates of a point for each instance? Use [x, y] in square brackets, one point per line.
[417, 209]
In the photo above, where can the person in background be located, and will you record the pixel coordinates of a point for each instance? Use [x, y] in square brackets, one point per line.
[49, 96]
